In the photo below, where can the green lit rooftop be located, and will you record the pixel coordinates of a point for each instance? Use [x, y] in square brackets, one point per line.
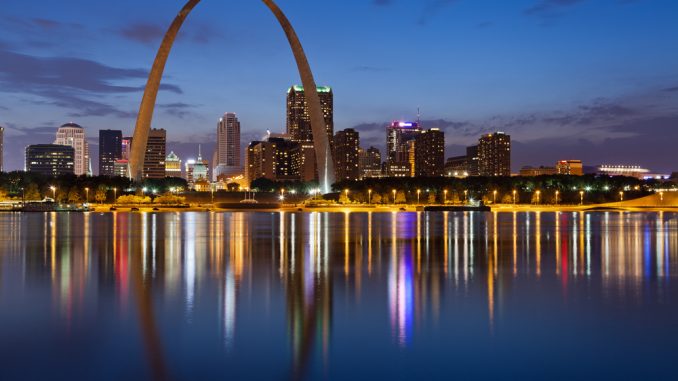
[321, 89]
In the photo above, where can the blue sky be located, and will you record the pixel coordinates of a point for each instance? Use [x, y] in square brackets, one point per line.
[589, 79]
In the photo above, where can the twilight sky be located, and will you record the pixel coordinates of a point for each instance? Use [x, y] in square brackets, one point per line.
[595, 80]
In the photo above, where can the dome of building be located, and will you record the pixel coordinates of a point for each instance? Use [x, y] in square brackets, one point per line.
[71, 125]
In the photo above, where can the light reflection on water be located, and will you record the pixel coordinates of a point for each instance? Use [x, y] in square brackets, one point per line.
[313, 295]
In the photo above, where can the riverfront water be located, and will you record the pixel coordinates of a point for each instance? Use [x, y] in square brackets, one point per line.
[197, 296]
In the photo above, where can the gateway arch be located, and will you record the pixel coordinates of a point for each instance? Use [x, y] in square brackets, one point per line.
[324, 157]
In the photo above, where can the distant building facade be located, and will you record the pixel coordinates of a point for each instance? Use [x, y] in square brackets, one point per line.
[346, 154]
[197, 170]
[528, 171]
[228, 147]
[154, 159]
[73, 135]
[369, 162]
[429, 149]
[172, 165]
[570, 167]
[472, 161]
[110, 150]
[299, 125]
[494, 155]
[274, 158]
[456, 166]
[50, 159]
[623, 170]
[400, 151]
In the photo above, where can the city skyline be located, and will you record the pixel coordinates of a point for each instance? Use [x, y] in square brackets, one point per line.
[590, 100]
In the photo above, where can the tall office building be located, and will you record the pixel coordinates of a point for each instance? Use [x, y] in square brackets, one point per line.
[71, 134]
[50, 159]
[494, 154]
[299, 125]
[2, 151]
[275, 158]
[172, 165]
[154, 158]
[126, 147]
[346, 147]
[400, 137]
[472, 161]
[430, 153]
[228, 147]
[369, 162]
[110, 150]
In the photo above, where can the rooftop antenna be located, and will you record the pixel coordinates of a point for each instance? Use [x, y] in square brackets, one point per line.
[418, 117]
[199, 152]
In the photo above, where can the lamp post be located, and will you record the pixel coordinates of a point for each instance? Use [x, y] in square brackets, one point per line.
[621, 196]
[465, 197]
[538, 197]
[418, 193]
[445, 196]
[514, 196]
[557, 193]
[115, 195]
[394, 196]
[53, 188]
[369, 196]
[87, 195]
[494, 197]
[581, 197]
[346, 193]
[661, 196]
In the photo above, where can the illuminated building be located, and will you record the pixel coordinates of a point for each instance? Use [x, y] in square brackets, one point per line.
[172, 165]
[570, 167]
[369, 162]
[50, 159]
[494, 154]
[228, 147]
[456, 166]
[429, 155]
[399, 134]
[623, 170]
[528, 171]
[346, 147]
[126, 147]
[120, 168]
[197, 170]
[299, 125]
[71, 134]
[154, 159]
[472, 161]
[110, 150]
[275, 158]
[2, 133]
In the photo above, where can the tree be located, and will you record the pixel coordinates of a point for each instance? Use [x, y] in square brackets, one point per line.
[101, 194]
[232, 187]
[32, 192]
[507, 199]
[431, 198]
[376, 198]
[343, 198]
[400, 198]
[74, 196]
[3, 194]
[170, 199]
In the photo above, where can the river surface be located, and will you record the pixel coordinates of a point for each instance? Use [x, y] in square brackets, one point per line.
[338, 296]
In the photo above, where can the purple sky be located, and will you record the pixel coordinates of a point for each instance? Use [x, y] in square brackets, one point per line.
[595, 80]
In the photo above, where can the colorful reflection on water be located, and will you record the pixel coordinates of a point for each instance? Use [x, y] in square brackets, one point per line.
[337, 295]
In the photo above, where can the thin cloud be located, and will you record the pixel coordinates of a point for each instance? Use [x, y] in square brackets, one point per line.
[548, 7]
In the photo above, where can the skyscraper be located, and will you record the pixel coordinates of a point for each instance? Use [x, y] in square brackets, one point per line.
[71, 134]
[275, 158]
[494, 155]
[430, 153]
[50, 159]
[228, 146]
[172, 165]
[299, 125]
[110, 150]
[346, 147]
[2, 151]
[154, 159]
[472, 161]
[400, 136]
[369, 162]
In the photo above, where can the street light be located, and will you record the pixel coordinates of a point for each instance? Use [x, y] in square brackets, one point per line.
[394, 196]
[346, 193]
[53, 188]
[87, 195]
[445, 198]
[369, 196]
[538, 197]
[661, 196]
[514, 196]
[621, 196]
[418, 193]
[557, 193]
[581, 197]
[465, 196]
[115, 195]
[494, 197]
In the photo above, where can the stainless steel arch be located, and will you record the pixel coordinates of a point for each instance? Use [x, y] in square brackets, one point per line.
[324, 156]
